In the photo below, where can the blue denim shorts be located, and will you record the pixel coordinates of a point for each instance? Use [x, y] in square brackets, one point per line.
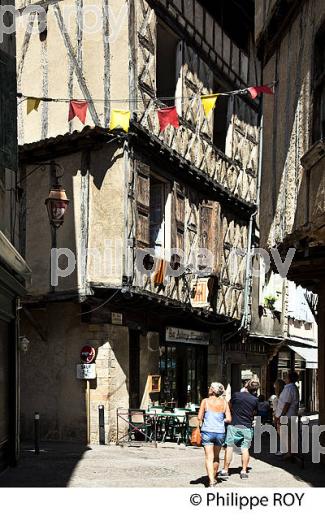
[213, 439]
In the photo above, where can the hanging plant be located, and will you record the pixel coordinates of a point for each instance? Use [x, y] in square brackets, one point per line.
[269, 302]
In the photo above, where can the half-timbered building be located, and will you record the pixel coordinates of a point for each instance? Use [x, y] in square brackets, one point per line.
[290, 39]
[159, 223]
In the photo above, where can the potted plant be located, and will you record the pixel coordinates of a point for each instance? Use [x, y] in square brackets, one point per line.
[269, 302]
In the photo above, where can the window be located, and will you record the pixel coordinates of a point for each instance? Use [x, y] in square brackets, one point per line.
[153, 198]
[319, 86]
[184, 373]
[157, 214]
[169, 63]
[236, 17]
[221, 122]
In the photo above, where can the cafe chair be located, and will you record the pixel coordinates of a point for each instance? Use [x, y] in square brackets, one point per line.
[179, 425]
[139, 427]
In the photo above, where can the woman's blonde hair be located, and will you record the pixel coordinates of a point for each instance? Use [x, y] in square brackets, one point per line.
[218, 389]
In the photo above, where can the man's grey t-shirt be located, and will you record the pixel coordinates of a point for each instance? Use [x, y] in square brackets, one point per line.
[244, 407]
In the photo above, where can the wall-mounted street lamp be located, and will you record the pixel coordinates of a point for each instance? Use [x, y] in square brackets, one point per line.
[57, 204]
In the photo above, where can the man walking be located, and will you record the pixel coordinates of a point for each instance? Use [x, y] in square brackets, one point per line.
[240, 432]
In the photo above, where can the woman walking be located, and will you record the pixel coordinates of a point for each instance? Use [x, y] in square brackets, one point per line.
[214, 412]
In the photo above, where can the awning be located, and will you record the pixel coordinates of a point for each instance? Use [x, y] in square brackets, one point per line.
[309, 354]
[10, 256]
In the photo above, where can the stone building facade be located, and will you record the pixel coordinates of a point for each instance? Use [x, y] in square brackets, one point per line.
[290, 44]
[13, 269]
[134, 199]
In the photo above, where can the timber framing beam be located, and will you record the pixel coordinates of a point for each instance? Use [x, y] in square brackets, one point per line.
[185, 171]
[227, 77]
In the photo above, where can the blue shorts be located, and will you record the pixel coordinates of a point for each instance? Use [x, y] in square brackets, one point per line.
[213, 439]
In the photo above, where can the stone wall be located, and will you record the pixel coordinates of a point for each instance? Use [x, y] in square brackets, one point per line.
[287, 127]
[111, 386]
[48, 375]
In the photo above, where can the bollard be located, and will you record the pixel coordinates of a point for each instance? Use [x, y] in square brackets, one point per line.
[101, 418]
[37, 433]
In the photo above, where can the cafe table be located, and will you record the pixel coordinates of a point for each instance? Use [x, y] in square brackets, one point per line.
[164, 423]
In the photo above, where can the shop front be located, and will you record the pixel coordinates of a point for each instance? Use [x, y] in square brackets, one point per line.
[244, 361]
[183, 367]
[13, 271]
[10, 289]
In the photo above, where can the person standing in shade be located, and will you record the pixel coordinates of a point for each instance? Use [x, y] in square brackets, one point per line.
[288, 406]
[243, 407]
[214, 412]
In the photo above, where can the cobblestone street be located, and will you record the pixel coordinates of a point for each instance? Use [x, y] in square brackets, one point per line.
[70, 465]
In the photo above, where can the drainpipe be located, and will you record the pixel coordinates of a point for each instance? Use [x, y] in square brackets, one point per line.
[248, 279]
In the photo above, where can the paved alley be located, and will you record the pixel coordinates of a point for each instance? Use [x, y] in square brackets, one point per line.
[70, 465]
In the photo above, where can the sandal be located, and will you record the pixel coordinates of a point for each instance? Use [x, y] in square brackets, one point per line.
[223, 474]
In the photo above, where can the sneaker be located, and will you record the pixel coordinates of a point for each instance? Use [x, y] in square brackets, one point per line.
[223, 474]
[213, 484]
[243, 475]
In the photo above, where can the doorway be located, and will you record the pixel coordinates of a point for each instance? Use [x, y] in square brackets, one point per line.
[184, 374]
[241, 373]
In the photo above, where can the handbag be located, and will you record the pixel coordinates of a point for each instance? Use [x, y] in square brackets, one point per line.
[196, 439]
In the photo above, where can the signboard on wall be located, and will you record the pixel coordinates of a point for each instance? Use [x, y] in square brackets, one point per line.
[86, 371]
[153, 386]
[200, 293]
[194, 337]
[117, 318]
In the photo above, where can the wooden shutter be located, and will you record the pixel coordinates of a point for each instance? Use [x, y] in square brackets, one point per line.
[142, 204]
[210, 230]
[8, 110]
[178, 217]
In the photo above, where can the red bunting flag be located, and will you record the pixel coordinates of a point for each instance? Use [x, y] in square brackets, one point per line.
[255, 91]
[79, 109]
[168, 116]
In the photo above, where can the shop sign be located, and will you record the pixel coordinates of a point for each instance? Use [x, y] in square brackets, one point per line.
[200, 291]
[194, 337]
[86, 371]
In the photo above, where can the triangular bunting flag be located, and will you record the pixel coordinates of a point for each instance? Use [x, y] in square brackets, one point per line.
[168, 116]
[120, 119]
[32, 104]
[78, 109]
[209, 102]
[255, 91]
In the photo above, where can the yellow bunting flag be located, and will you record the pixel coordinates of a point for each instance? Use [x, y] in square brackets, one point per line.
[209, 102]
[120, 119]
[32, 104]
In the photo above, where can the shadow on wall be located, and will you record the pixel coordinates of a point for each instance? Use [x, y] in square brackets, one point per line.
[53, 467]
[102, 162]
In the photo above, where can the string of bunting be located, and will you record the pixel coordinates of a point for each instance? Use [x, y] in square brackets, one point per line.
[167, 116]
